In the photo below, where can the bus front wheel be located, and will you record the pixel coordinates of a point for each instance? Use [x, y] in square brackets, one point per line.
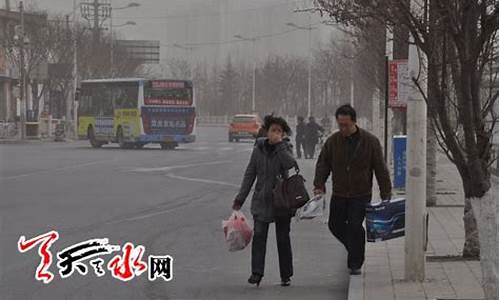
[121, 140]
[91, 136]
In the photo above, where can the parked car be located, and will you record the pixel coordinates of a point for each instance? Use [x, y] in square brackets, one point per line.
[244, 126]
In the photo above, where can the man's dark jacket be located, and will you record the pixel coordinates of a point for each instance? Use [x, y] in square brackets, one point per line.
[266, 163]
[312, 132]
[300, 132]
[354, 177]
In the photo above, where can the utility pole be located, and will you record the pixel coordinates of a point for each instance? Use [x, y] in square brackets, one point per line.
[415, 240]
[309, 67]
[7, 5]
[22, 92]
[75, 68]
[112, 42]
[95, 13]
[254, 71]
[69, 96]
[96, 27]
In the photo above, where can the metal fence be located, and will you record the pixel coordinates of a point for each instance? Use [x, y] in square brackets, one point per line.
[8, 130]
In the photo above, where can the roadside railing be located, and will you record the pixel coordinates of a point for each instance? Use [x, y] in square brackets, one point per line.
[8, 130]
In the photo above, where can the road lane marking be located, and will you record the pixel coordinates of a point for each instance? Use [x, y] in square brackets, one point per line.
[201, 148]
[168, 168]
[54, 170]
[201, 180]
[245, 150]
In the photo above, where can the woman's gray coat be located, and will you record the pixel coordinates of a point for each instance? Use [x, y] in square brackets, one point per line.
[266, 164]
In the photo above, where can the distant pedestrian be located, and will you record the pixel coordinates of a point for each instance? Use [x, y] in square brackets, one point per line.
[326, 123]
[300, 136]
[272, 156]
[351, 155]
[313, 131]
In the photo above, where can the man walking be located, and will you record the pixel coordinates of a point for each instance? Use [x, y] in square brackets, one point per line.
[312, 137]
[300, 136]
[352, 155]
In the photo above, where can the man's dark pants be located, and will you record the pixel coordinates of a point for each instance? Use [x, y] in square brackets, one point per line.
[300, 146]
[310, 148]
[346, 224]
[284, 247]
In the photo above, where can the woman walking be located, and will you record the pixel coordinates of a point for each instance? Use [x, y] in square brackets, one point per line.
[272, 156]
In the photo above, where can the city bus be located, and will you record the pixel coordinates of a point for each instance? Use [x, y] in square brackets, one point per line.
[134, 112]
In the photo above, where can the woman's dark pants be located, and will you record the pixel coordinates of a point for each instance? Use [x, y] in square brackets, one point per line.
[284, 246]
[346, 224]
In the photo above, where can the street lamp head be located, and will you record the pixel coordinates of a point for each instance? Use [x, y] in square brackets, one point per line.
[132, 23]
[133, 4]
[238, 36]
[291, 24]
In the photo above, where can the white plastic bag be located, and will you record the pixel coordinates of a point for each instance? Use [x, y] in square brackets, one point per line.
[313, 208]
[237, 232]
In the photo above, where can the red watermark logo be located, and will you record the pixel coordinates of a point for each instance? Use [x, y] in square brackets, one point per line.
[88, 254]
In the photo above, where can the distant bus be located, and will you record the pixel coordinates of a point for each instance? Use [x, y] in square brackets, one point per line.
[134, 112]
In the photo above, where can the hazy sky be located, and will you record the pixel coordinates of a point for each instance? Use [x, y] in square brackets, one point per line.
[211, 25]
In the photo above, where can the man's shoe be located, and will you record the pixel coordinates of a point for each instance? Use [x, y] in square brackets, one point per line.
[355, 271]
[285, 281]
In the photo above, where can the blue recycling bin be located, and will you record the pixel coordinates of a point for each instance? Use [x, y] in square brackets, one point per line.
[399, 159]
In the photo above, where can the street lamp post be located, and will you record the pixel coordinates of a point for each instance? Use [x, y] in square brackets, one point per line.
[309, 28]
[111, 26]
[22, 41]
[253, 40]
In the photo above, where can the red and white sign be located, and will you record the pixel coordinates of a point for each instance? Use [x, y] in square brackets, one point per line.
[398, 83]
[165, 84]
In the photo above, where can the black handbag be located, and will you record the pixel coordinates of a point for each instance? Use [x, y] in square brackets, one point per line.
[290, 192]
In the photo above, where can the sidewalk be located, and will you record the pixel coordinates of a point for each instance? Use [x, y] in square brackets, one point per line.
[447, 275]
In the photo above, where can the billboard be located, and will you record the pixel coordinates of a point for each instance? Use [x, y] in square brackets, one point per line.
[398, 83]
[148, 52]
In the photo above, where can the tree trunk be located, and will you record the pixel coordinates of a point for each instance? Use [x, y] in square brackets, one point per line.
[485, 209]
[431, 165]
[471, 244]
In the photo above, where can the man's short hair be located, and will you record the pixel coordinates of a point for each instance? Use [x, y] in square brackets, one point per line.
[346, 110]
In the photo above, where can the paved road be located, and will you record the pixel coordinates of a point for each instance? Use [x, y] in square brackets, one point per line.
[172, 202]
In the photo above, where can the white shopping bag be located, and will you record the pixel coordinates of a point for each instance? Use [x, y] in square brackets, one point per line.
[313, 208]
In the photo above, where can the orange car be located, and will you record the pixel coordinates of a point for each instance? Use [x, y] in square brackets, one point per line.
[244, 127]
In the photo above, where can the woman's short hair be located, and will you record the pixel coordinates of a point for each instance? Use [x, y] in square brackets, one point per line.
[271, 119]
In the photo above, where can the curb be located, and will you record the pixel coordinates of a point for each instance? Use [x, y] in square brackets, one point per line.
[356, 290]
